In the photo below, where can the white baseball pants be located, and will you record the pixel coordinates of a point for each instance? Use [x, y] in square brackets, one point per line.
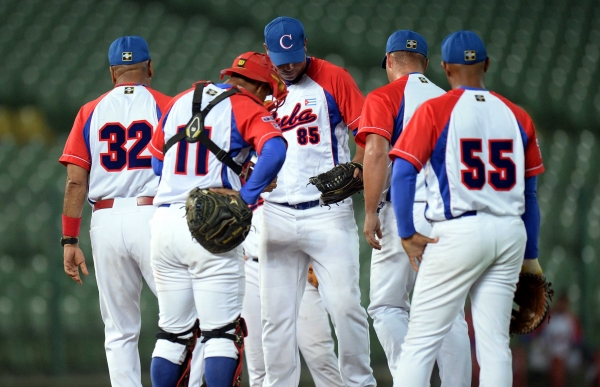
[481, 255]
[314, 334]
[120, 239]
[392, 279]
[290, 240]
[193, 283]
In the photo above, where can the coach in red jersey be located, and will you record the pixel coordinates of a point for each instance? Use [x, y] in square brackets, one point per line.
[481, 158]
[106, 156]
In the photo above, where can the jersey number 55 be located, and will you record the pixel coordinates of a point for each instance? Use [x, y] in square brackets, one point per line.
[503, 177]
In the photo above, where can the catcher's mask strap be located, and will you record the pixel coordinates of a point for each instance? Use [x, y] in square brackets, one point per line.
[194, 130]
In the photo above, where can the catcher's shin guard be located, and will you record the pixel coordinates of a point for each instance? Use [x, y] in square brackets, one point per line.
[240, 331]
[190, 343]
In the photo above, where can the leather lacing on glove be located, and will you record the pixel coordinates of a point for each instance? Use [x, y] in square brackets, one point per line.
[338, 183]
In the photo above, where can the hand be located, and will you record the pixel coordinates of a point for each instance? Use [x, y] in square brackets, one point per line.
[415, 246]
[312, 278]
[372, 228]
[73, 260]
[271, 186]
[358, 173]
[225, 191]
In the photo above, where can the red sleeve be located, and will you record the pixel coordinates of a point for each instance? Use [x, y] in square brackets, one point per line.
[340, 84]
[76, 149]
[255, 124]
[419, 138]
[533, 155]
[158, 140]
[377, 117]
[158, 137]
[162, 100]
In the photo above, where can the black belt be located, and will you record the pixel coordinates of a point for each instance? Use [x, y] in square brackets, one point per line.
[301, 206]
[255, 259]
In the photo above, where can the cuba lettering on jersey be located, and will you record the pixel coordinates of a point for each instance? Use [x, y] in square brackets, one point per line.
[477, 148]
[387, 111]
[237, 125]
[315, 118]
[110, 139]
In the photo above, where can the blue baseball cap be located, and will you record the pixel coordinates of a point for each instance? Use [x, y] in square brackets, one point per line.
[284, 38]
[405, 40]
[128, 50]
[463, 47]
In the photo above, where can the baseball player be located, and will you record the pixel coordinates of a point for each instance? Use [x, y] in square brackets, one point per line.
[385, 113]
[481, 159]
[190, 281]
[323, 104]
[106, 155]
[314, 334]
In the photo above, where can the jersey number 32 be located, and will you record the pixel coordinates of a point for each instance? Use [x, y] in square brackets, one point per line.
[116, 136]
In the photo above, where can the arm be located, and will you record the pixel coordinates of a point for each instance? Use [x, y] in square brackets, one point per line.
[270, 161]
[359, 156]
[75, 192]
[157, 166]
[531, 218]
[376, 162]
[404, 181]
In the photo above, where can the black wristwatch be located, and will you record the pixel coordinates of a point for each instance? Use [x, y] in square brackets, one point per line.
[69, 241]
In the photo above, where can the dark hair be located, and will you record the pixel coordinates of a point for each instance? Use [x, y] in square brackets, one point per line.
[250, 80]
[402, 57]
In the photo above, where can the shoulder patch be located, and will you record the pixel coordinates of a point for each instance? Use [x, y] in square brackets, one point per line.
[423, 80]
[129, 90]
[479, 98]
[268, 119]
[211, 92]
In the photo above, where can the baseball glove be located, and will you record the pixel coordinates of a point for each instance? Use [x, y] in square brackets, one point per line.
[533, 296]
[218, 222]
[338, 183]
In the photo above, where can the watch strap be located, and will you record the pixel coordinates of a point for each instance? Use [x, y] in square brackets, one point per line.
[69, 241]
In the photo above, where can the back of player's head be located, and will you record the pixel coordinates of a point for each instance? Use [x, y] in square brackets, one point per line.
[285, 38]
[258, 67]
[405, 40]
[463, 47]
[128, 50]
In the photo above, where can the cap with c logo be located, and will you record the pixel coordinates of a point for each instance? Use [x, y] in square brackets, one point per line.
[128, 50]
[284, 38]
[405, 40]
[463, 47]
